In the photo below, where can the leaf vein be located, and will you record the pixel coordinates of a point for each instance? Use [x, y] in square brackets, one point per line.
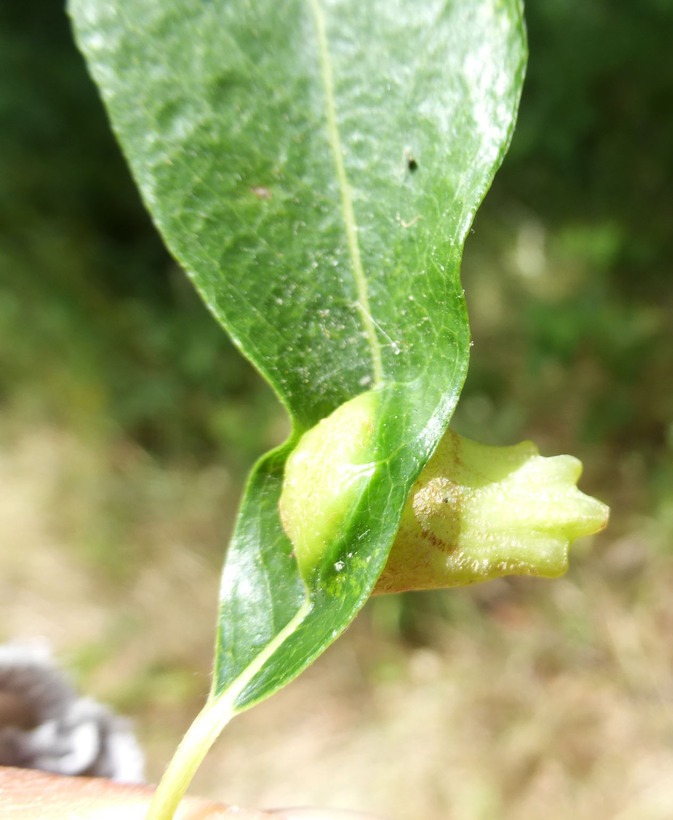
[362, 303]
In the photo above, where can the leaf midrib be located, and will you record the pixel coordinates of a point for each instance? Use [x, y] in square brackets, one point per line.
[347, 211]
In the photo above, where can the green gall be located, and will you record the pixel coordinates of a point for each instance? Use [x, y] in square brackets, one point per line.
[478, 512]
[325, 476]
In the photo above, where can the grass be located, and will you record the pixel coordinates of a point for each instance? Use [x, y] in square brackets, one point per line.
[510, 700]
[127, 422]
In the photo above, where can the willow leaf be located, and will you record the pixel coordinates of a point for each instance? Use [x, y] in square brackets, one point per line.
[315, 165]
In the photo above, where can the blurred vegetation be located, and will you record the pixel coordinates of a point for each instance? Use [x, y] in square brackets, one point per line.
[568, 276]
[572, 261]
[99, 328]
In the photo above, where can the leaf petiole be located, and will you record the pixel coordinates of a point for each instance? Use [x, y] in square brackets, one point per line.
[208, 725]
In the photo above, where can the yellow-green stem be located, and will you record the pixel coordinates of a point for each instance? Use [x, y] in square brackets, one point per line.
[208, 724]
[188, 756]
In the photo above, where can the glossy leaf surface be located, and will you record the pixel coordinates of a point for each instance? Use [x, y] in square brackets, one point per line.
[315, 166]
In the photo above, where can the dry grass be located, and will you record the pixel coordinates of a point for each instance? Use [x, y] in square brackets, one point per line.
[514, 700]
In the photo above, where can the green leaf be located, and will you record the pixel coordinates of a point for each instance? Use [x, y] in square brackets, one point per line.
[315, 166]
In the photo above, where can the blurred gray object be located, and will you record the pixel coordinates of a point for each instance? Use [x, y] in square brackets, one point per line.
[45, 725]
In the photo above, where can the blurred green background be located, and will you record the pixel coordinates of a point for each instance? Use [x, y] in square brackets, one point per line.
[128, 422]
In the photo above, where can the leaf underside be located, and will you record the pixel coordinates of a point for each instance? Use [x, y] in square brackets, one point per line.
[315, 166]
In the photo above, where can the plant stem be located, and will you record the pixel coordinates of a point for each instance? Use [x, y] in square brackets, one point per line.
[218, 711]
[188, 756]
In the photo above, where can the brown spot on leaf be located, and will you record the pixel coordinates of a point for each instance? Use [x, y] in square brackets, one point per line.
[260, 191]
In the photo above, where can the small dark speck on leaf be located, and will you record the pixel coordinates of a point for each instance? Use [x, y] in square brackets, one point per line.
[260, 191]
[412, 164]
[445, 500]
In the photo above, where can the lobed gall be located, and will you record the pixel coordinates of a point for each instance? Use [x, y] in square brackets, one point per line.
[325, 476]
[476, 512]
